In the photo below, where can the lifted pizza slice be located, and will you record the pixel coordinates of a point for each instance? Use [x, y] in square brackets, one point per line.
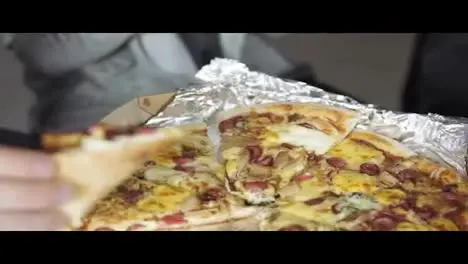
[264, 147]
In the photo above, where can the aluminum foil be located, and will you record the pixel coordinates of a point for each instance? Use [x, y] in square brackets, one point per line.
[225, 84]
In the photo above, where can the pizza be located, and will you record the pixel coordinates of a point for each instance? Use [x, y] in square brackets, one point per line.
[368, 182]
[178, 185]
[263, 147]
[282, 167]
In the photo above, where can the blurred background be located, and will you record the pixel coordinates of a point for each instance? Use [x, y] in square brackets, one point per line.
[370, 66]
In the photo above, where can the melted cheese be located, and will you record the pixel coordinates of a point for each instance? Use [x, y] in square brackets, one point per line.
[444, 224]
[283, 220]
[310, 139]
[312, 188]
[231, 153]
[389, 196]
[356, 154]
[163, 200]
[231, 168]
[347, 182]
[319, 213]
[406, 226]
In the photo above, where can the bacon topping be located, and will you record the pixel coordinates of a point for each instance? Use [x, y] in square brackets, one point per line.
[370, 169]
[174, 219]
[293, 228]
[254, 152]
[212, 194]
[336, 162]
[409, 175]
[449, 188]
[336, 208]
[135, 227]
[307, 125]
[265, 161]
[104, 229]
[255, 185]
[303, 177]
[132, 196]
[188, 152]
[149, 163]
[295, 117]
[287, 145]
[315, 201]
[383, 223]
[229, 123]
[426, 213]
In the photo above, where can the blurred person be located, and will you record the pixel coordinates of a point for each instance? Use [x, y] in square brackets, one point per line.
[78, 78]
[438, 78]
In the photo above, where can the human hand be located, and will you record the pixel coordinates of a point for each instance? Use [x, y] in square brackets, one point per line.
[29, 192]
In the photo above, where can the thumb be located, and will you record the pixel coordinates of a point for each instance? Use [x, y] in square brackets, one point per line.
[20, 164]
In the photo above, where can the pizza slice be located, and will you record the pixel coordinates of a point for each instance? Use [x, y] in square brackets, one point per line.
[94, 166]
[177, 187]
[265, 147]
[366, 152]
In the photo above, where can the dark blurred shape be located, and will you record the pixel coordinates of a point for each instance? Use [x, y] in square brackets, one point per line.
[438, 78]
[18, 139]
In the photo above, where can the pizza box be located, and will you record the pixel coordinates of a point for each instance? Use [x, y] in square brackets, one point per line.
[138, 110]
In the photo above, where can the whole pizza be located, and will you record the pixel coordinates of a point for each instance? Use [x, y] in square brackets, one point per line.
[279, 167]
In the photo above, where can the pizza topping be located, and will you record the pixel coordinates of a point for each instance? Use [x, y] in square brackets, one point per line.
[458, 217]
[212, 194]
[388, 179]
[288, 190]
[132, 196]
[409, 175]
[425, 212]
[254, 153]
[303, 177]
[271, 117]
[174, 219]
[312, 157]
[149, 163]
[383, 223]
[181, 167]
[307, 125]
[135, 227]
[182, 160]
[337, 208]
[336, 162]
[255, 185]
[188, 152]
[408, 203]
[288, 146]
[295, 117]
[315, 201]
[370, 169]
[390, 159]
[449, 188]
[293, 228]
[230, 123]
[265, 161]
[103, 229]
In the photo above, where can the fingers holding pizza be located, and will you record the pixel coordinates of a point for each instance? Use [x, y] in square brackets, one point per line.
[29, 192]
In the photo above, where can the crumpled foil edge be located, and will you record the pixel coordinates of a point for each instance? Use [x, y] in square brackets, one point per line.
[226, 83]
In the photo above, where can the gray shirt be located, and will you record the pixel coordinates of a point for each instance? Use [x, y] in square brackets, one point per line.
[78, 78]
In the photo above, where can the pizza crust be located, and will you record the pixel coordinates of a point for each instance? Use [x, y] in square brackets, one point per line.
[385, 143]
[95, 170]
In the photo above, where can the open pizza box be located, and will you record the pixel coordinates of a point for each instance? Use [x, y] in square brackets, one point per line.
[138, 110]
